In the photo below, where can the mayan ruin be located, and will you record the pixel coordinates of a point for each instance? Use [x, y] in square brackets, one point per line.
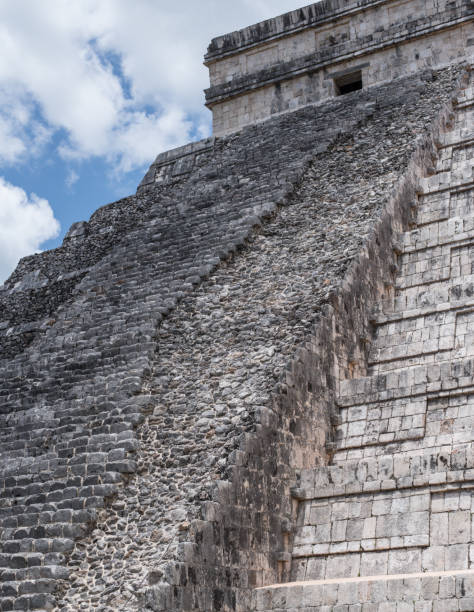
[249, 387]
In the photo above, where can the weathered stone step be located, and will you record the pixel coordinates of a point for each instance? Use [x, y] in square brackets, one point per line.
[16, 589]
[41, 602]
[465, 95]
[444, 181]
[442, 335]
[405, 425]
[445, 331]
[450, 261]
[387, 472]
[62, 499]
[450, 155]
[420, 529]
[462, 130]
[426, 526]
[448, 232]
[28, 485]
[63, 531]
[431, 302]
[379, 422]
[442, 378]
[45, 545]
[52, 567]
[417, 592]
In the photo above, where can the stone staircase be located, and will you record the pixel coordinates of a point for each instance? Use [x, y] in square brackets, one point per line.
[388, 525]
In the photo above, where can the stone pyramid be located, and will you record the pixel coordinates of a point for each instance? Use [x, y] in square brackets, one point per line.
[249, 386]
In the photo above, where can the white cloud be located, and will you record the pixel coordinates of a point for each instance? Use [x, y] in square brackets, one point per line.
[25, 223]
[71, 178]
[121, 80]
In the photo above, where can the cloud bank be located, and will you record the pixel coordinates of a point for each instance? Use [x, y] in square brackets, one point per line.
[116, 79]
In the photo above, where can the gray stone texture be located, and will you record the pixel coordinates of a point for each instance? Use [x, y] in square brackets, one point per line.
[196, 381]
[395, 505]
[177, 376]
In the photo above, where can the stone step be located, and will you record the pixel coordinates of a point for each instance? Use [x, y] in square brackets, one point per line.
[447, 333]
[451, 261]
[448, 181]
[63, 531]
[17, 589]
[431, 302]
[462, 130]
[387, 472]
[45, 545]
[427, 422]
[426, 528]
[27, 486]
[407, 508]
[443, 378]
[406, 410]
[449, 232]
[451, 155]
[417, 592]
[465, 95]
[51, 568]
[41, 602]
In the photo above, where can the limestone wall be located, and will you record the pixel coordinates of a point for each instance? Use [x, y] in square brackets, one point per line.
[294, 60]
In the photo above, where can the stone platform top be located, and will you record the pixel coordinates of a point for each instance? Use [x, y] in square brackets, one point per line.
[286, 24]
[327, 49]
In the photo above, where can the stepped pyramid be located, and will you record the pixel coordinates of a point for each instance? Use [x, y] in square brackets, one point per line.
[388, 524]
[249, 386]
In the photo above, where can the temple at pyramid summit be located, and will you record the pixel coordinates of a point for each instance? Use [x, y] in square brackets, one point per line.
[249, 386]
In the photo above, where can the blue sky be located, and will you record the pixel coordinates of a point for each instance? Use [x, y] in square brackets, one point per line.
[90, 92]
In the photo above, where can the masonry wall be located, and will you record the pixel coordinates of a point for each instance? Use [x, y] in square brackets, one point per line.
[294, 60]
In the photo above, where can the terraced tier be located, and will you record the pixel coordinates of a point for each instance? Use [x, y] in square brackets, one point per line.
[388, 525]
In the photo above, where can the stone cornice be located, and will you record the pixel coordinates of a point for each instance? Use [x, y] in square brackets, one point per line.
[287, 24]
[339, 53]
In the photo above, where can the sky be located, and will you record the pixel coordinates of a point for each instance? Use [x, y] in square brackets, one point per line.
[90, 92]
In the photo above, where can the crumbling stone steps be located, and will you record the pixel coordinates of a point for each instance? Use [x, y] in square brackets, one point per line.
[398, 497]
[403, 470]
[419, 592]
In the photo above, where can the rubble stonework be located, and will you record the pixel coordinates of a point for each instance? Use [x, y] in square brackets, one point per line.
[177, 376]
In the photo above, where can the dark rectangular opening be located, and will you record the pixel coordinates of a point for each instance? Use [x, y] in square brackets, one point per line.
[348, 83]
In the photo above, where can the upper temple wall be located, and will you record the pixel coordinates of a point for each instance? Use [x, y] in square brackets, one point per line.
[305, 56]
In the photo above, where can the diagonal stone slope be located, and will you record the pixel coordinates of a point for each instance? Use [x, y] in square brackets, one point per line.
[388, 525]
[206, 394]
[100, 361]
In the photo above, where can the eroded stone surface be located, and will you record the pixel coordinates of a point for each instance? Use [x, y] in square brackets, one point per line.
[260, 304]
[398, 497]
